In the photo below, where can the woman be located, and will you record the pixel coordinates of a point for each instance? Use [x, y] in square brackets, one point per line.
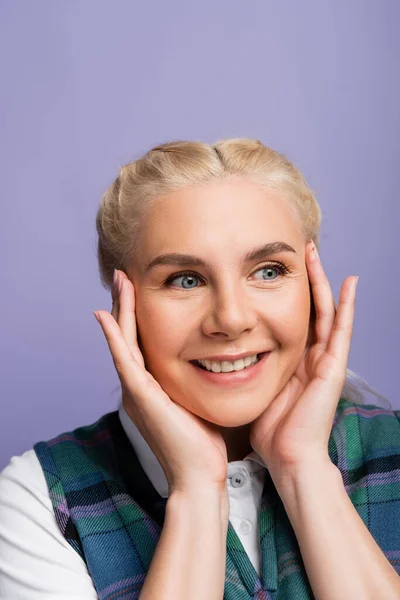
[238, 466]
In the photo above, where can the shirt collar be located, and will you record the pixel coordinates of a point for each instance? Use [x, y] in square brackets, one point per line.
[152, 467]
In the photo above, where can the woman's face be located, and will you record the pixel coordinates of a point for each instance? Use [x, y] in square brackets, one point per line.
[228, 305]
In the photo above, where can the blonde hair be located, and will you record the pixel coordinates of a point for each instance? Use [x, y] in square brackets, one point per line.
[178, 164]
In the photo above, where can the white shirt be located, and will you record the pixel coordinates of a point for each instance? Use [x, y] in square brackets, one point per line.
[36, 561]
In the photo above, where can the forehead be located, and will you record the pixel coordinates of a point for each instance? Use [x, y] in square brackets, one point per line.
[219, 216]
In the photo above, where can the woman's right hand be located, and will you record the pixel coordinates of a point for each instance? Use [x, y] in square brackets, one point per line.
[191, 451]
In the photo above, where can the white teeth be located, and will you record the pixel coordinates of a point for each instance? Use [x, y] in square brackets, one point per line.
[227, 366]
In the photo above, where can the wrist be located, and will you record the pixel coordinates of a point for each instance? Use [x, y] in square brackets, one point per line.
[308, 491]
[201, 502]
[313, 475]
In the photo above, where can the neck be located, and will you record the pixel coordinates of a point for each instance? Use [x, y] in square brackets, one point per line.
[237, 440]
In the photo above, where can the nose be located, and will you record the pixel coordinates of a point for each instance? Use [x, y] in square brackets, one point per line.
[230, 314]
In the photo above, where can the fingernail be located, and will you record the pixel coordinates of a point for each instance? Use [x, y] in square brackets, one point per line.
[314, 252]
[115, 277]
[97, 316]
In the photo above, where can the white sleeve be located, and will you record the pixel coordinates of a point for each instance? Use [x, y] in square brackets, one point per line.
[36, 561]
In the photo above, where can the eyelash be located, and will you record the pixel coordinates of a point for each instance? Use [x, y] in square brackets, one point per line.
[279, 266]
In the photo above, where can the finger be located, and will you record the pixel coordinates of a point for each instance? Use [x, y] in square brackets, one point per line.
[127, 316]
[342, 330]
[324, 303]
[129, 372]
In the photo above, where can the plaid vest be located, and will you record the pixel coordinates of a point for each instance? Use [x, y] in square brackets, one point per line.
[110, 513]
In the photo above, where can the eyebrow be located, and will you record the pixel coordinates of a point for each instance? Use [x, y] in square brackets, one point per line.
[188, 260]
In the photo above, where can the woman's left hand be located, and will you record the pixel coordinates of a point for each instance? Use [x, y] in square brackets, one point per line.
[293, 432]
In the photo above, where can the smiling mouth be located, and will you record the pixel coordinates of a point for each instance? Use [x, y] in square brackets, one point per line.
[200, 366]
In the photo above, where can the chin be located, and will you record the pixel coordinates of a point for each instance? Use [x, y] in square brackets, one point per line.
[228, 415]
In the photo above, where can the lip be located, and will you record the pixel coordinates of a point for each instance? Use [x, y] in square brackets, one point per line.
[234, 377]
[230, 357]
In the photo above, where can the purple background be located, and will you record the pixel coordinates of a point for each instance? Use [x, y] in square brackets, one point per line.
[87, 86]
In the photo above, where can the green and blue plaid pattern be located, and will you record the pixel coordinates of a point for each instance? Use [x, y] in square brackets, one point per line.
[110, 513]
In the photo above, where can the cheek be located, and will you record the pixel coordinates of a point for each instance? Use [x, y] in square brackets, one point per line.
[292, 317]
[160, 329]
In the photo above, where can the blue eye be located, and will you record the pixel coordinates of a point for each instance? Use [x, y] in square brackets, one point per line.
[187, 276]
[269, 273]
[278, 268]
